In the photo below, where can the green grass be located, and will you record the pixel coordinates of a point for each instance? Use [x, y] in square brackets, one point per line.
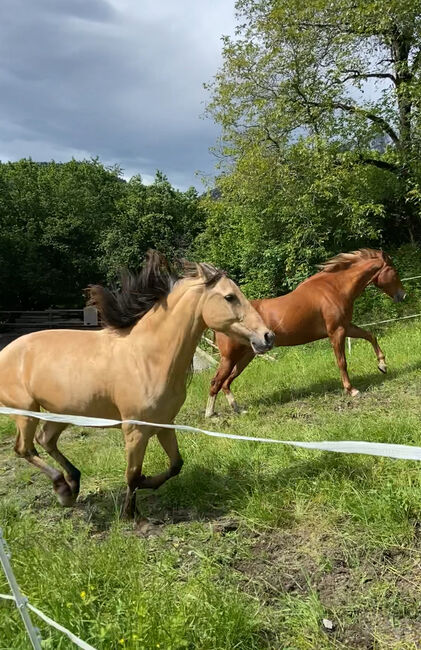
[253, 544]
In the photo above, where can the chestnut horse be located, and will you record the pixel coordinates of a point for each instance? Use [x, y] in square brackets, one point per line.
[134, 369]
[318, 308]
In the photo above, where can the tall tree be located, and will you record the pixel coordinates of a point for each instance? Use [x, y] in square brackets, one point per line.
[344, 73]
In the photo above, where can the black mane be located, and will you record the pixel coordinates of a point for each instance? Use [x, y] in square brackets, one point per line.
[139, 292]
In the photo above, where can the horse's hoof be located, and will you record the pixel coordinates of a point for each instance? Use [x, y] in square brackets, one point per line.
[382, 367]
[238, 409]
[354, 392]
[64, 494]
[211, 414]
[145, 528]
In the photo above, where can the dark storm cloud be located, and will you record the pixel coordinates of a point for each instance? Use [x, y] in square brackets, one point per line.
[119, 79]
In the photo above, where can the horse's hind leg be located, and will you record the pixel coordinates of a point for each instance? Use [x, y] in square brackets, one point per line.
[48, 436]
[358, 333]
[241, 364]
[25, 448]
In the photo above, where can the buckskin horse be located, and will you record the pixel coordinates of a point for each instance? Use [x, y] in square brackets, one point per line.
[136, 368]
[318, 308]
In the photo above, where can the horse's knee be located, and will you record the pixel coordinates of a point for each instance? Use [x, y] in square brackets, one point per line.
[215, 386]
[48, 445]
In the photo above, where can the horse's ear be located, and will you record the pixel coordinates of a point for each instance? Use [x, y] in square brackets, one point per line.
[200, 270]
[207, 272]
[385, 257]
[189, 269]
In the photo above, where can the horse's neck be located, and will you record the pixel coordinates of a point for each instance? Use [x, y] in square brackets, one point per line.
[358, 277]
[171, 332]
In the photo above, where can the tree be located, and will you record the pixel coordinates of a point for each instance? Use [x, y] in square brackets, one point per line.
[331, 73]
[52, 217]
[150, 216]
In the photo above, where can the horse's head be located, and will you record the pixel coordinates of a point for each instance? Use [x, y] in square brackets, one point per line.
[387, 279]
[226, 309]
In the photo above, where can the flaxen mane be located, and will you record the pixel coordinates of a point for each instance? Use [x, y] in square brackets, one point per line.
[345, 260]
[139, 292]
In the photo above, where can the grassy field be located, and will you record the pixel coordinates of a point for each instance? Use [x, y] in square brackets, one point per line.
[252, 545]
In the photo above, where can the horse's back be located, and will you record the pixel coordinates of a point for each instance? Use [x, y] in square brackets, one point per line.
[39, 367]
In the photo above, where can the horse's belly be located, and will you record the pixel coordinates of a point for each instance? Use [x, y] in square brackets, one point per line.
[297, 329]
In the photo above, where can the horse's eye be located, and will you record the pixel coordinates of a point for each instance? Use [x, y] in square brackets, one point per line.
[230, 297]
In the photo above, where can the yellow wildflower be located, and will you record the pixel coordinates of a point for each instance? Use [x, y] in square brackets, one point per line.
[83, 595]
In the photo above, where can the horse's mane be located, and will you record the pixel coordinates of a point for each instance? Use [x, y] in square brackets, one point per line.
[345, 260]
[139, 292]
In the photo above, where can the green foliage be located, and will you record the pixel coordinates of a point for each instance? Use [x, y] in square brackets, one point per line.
[150, 216]
[276, 220]
[51, 218]
[67, 225]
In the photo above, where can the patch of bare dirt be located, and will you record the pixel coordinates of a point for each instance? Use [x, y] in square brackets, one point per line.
[371, 599]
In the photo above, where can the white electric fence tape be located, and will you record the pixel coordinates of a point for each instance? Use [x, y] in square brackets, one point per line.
[23, 605]
[404, 452]
[414, 277]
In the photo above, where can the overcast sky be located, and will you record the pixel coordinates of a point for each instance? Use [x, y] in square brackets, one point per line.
[118, 79]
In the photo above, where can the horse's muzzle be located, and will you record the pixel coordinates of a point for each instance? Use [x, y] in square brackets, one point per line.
[262, 344]
[399, 296]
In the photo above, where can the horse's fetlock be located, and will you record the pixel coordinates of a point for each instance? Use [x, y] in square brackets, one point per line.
[176, 468]
[63, 491]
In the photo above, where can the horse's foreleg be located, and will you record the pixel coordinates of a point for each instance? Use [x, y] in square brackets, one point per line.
[358, 333]
[241, 364]
[337, 339]
[47, 437]
[136, 441]
[25, 448]
[168, 441]
[225, 367]
[169, 444]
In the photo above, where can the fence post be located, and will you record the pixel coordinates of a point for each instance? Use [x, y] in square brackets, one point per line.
[20, 600]
[90, 316]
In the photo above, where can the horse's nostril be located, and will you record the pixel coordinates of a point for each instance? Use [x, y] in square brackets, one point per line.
[269, 337]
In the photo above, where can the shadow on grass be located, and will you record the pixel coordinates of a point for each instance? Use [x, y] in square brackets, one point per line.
[201, 494]
[361, 381]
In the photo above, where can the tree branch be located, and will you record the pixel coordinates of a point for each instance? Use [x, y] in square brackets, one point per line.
[350, 108]
[356, 74]
[381, 164]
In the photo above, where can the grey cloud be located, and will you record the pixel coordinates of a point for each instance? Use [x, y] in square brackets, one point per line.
[121, 80]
